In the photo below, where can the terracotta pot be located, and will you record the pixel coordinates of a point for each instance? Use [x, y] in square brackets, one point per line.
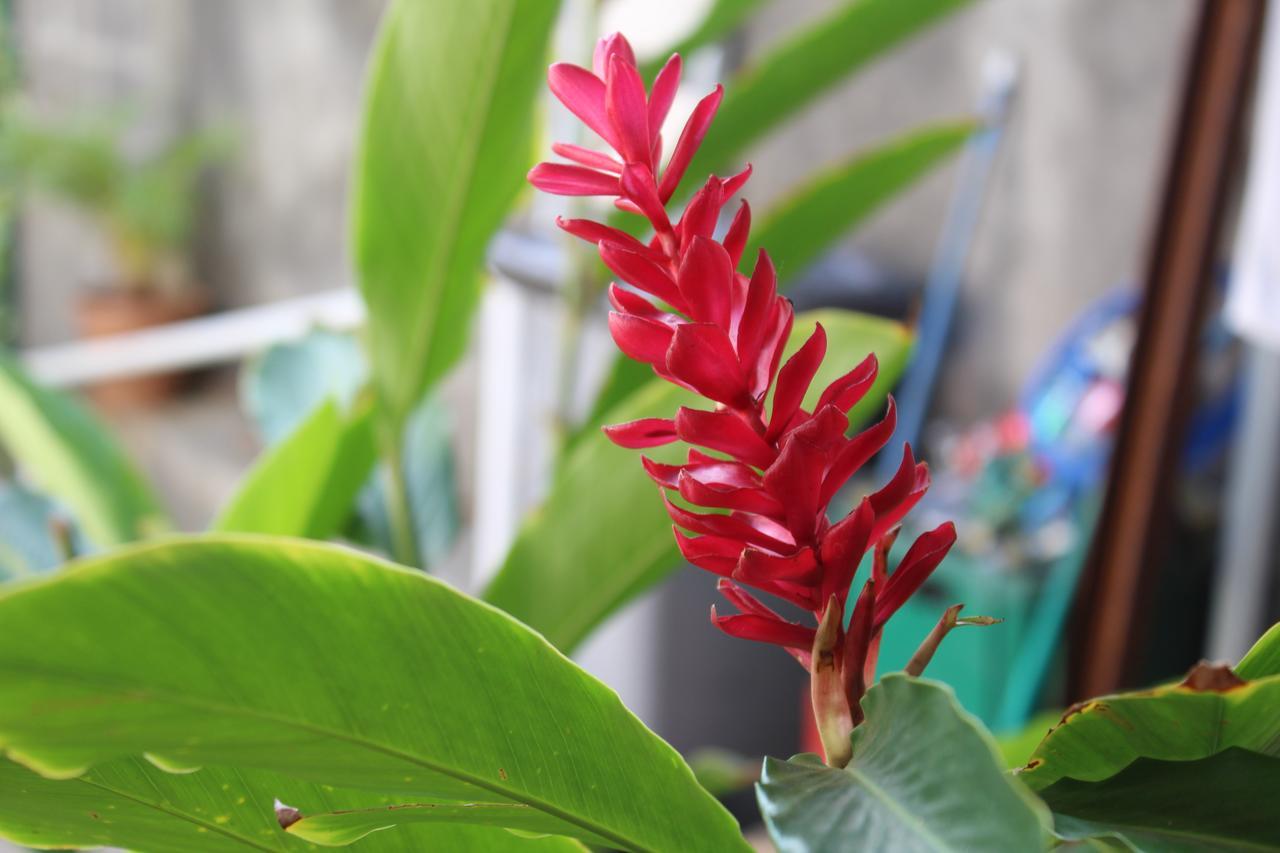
[112, 311]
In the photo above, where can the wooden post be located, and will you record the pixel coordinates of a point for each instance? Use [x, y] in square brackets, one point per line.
[1125, 559]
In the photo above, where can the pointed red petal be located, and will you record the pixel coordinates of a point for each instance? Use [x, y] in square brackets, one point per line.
[846, 391]
[717, 472]
[565, 179]
[858, 450]
[646, 432]
[793, 382]
[743, 600]
[735, 239]
[638, 187]
[614, 44]
[715, 554]
[857, 647]
[628, 113]
[662, 94]
[587, 157]
[701, 214]
[705, 279]
[726, 432]
[583, 94]
[733, 183]
[753, 326]
[713, 524]
[766, 365]
[843, 546]
[794, 479]
[702, 357]
[764, 629]
[921, 559]
[637, 269]
[725, 497]
[889, 517]
[640, 338]
[594, 232]
[899, 487]
[759, 568]
[690, 138]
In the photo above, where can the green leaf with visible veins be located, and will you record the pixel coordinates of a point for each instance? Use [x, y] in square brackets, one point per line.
[69, 455]
[320, 663]
[443, 152]
[132, 804]
[925, 776]
[603, 536]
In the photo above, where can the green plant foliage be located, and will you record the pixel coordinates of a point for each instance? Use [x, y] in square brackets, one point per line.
[1224, 802]
[807, 64]
[444, 150]
[925, 776]
[1264, 658]
[307, 484]
[602, 536]
[340, 828]
[133, 804]
[719, 21]
[69, 455]
[800, 227]
[1098, 739]
[338, 668]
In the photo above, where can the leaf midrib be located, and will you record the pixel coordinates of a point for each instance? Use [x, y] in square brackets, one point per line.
[214, 707]
[902, 814]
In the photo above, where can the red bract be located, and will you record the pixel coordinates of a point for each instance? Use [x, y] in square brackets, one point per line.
[683, 307]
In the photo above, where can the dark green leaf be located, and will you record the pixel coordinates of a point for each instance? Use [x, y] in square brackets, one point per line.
[925, 776]
[602, 536]
[444, 150]
[70, 456]
[306, 485]
[1098, 739]
[1225, 802]
[800, 227]
[130, 803]
[807, 64]
[317, 662]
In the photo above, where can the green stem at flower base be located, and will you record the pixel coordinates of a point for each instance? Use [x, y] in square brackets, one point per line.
[404, 541]
[826, 688]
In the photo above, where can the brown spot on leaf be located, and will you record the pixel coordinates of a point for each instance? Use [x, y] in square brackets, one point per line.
[502, 774]
[287, 816]
[1218, 678]
[95, 816]
[1034, 763]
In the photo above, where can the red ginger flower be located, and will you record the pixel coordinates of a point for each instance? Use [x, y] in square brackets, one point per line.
[705, 326]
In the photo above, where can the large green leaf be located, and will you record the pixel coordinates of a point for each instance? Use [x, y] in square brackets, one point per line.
[444, 150]
[306, 485]
[800, 227]
[925, 776]
[603, 536]
[800, 69]
[71, 457]
[1098, 739]
[1225, 802]
[317, 662]
[131, 803]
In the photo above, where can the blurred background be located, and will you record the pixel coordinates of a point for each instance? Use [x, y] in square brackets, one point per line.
[184, 166]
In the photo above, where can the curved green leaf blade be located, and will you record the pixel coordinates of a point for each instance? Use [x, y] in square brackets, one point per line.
[800, 227]
[1224, 802]
[130, 803]
[70, 456]
[925, 776]
[1100, 738]
[307, 484]
[317, 662]
[444, 150]
[1264, 658]
[603, 536]
[809, 63]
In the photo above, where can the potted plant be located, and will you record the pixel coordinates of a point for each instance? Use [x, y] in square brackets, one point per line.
[145, 208]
